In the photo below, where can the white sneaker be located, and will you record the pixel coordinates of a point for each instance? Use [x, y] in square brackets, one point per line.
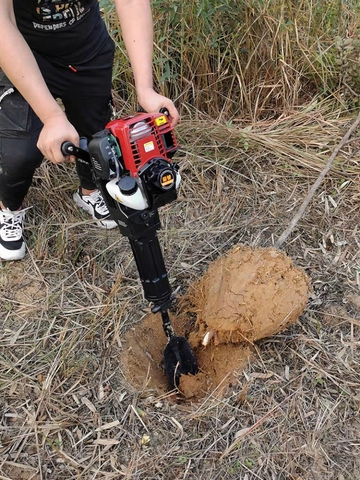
[96, 206]
[12, 245]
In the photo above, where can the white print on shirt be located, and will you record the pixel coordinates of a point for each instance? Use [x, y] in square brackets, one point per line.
[50, 11]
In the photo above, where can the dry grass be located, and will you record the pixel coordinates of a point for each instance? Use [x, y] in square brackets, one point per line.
[251, 59]
[68, 411]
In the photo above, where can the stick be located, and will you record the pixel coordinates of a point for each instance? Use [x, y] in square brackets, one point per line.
[319, 180]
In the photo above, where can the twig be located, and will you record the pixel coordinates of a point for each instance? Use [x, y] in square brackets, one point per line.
[317, 183]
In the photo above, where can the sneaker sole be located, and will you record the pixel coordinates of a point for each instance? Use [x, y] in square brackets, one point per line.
[9, 255]
[107, 224]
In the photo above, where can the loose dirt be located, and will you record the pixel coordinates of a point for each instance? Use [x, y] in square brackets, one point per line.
[246, 295]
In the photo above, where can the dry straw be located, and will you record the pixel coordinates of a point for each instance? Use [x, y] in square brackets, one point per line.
[255, 136]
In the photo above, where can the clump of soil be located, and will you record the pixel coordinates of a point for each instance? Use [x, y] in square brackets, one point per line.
[246, 295]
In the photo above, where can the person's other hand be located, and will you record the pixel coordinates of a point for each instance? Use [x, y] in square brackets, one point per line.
[56, 130]
[152, 102]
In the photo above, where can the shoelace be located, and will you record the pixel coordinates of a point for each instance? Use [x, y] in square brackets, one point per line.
[12, 224]
[99, 203]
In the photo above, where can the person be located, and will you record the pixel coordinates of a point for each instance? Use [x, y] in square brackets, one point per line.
[51, 50]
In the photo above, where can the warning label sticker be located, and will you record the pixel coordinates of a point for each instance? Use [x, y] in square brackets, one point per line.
[149, 146]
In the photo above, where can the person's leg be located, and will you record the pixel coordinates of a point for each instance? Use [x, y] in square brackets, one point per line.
[90, 114]
[88, 107]
[85, 91]
[19, 155]
[19, 158]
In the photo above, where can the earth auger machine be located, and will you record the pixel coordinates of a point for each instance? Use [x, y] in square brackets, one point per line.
[131, 162]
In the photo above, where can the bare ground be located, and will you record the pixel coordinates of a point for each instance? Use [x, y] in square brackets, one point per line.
[67, 408]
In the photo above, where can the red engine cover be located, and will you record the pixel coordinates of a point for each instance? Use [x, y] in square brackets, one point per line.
[143, 137]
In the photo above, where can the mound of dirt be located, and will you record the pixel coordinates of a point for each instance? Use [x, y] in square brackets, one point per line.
[245, 295]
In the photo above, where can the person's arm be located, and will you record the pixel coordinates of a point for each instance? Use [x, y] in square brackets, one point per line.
[137, 31]
[20, 66]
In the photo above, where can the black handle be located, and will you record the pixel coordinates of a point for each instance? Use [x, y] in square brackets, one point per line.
[163, 110]
[69, 149]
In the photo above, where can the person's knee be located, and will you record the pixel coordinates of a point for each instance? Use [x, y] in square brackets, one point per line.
[18, 158]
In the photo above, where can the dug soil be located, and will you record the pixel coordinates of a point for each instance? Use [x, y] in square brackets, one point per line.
[246, 295]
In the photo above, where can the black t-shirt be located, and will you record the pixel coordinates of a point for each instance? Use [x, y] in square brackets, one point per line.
[69, 31]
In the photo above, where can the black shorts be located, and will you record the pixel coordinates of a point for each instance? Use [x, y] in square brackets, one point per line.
[85, 91]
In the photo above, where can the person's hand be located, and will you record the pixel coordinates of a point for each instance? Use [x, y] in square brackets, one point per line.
[152, 102]
[56, 130]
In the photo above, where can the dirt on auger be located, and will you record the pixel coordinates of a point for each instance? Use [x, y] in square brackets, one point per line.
[246, 295]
